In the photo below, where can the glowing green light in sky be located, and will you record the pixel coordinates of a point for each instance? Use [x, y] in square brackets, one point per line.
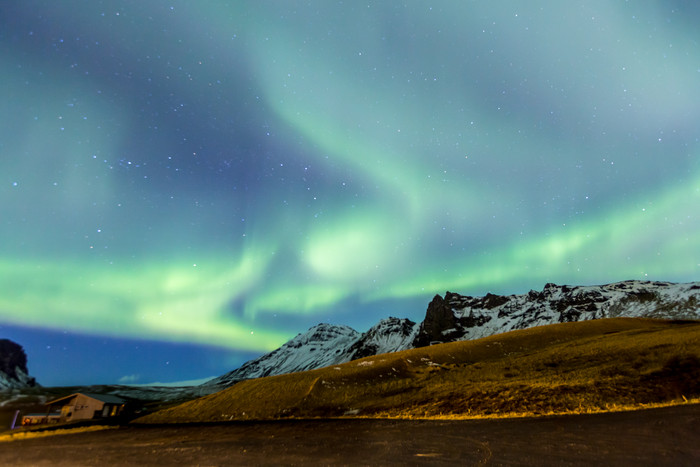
[193, 173]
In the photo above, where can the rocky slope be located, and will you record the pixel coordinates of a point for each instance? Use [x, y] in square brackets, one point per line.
[13, 366]
[389, 335]
[324, 345]
[459, 317]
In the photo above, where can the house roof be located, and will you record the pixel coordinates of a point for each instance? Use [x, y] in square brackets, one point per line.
[106, 398]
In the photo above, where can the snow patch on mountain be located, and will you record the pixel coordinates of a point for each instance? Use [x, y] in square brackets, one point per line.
[19, 381]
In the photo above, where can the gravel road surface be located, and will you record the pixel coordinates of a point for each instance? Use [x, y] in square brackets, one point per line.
[667, 436]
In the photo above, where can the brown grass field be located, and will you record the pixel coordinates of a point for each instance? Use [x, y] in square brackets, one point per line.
[583, 367]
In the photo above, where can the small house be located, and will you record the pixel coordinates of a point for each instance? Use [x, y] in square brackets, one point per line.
[85, 406]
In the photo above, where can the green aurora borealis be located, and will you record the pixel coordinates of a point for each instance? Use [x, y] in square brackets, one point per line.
[227, 174]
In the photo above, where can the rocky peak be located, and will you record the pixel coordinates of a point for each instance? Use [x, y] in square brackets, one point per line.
[439, 320]
[389, 335]
[322, 345]
[13, 366]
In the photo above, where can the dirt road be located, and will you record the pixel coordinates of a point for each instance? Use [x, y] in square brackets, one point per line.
[669, 436]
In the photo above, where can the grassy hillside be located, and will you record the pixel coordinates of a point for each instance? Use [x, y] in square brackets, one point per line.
[572, 367]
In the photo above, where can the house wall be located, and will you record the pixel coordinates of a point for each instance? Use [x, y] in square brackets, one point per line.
[83, 407]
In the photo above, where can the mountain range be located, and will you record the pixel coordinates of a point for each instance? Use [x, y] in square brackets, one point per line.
[457, 317]
[448, 318]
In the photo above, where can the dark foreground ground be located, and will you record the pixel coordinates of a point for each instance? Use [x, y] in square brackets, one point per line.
[668, 436]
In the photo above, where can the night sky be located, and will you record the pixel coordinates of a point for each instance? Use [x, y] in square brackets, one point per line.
[187, 185]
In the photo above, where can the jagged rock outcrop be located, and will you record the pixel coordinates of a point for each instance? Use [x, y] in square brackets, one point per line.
[475, 317]
[442, 324]
[438, 324]
[13, 366]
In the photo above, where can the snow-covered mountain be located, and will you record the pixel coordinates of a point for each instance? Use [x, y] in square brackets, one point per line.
[389, 335]
[322, 345]
[325, 345]
[459, 317]
[13, 366]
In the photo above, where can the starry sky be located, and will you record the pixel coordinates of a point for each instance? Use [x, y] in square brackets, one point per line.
[187, 185]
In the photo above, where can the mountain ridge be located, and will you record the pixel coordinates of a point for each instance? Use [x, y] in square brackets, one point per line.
[457, 317]
[598, 365]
